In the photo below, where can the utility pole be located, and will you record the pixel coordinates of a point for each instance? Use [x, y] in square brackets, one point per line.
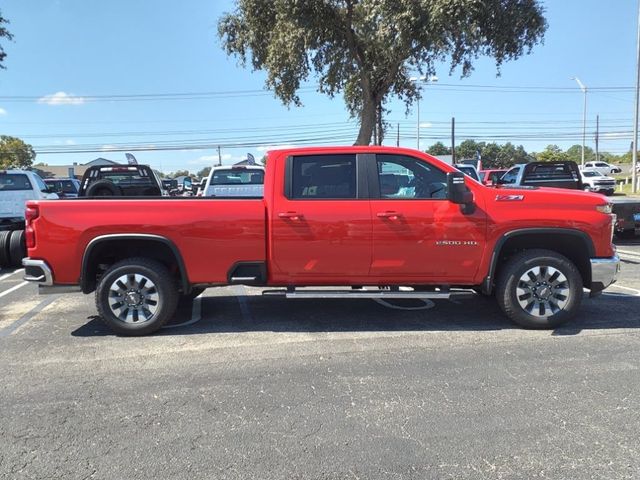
[422, 79]
[584, 115]
[219, 156]
[453, 140]
[398, 136]
[597, 137]
[634, 164]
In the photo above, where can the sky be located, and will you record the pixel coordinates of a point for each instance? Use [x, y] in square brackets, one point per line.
[91, 77]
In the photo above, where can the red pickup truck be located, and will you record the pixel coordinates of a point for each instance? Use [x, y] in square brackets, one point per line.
[371, 221]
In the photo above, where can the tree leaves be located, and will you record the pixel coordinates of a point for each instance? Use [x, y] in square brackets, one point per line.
[4, 33]
[369, 49]
[14, 153]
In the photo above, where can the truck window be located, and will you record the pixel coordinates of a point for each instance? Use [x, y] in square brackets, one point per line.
[324, 177]
[14, 181]
[406, 177]
[510, 176]
[237, 176]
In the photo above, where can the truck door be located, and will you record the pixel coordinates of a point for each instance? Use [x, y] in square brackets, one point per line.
[321, 223]
[417, 233]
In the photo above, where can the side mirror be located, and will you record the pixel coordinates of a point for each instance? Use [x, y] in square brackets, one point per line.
[458, 192]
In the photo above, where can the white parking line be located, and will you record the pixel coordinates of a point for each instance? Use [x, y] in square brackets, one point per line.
[13, 289]
[636, 292]
[7, 275]
[627, 252]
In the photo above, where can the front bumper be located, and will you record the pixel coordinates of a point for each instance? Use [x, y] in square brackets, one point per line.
[604, 272]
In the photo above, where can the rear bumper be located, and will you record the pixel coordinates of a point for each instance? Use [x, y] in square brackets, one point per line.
[604, 272]
[37, 271]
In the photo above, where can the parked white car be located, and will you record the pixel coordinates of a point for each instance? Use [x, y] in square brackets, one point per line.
[594, 181]
[235, 181]
[16, 187]
[603, 167]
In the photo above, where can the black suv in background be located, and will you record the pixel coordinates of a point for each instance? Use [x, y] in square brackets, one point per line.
[64, 187]
[121, 181]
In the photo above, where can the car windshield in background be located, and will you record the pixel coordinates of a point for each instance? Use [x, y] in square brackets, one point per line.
[13, 182]
[237, 177]
[65, 186]
[124, 179]
[591, 174]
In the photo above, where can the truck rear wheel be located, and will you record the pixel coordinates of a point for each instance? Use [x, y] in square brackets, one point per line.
[17, 248]
[4, 249]
[136, 296]
[539, 289]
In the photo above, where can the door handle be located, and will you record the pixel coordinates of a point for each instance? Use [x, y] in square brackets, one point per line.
[389, 215]
[290, 216]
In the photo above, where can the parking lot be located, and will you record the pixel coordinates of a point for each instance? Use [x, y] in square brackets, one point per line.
[242, 386]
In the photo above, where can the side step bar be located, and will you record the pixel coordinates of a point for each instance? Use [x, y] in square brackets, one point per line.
[391, 294]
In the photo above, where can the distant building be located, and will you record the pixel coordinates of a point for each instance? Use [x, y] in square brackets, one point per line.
[74, 170]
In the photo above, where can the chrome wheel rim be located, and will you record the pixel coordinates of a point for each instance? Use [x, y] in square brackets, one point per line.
[543, 291]
[133, 298]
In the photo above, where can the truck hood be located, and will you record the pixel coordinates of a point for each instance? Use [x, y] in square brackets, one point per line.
[551, 196]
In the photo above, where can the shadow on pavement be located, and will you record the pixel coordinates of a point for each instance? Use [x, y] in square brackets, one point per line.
[250, 313]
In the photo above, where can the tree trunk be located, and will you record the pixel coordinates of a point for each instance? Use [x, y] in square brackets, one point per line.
[380, 123]
[367, 121]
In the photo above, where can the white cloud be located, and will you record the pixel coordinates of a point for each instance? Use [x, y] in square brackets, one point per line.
[61, 98]
[2, 112]
[108, 148]
[69, 142]
[426, 125]
[266, 148]
[211, 159]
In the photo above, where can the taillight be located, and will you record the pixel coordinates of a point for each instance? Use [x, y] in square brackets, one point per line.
[30, 215]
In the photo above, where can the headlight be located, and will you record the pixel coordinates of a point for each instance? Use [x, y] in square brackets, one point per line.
[607, 208]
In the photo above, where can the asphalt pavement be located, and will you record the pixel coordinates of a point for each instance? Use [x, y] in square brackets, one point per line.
[242, 386]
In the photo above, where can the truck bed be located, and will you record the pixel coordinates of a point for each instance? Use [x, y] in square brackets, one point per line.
[211, 234]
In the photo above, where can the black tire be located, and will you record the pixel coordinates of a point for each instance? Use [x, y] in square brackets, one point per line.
[4, 249]
[510, 281]
[103, 188]
[166, 296]
[17, 248]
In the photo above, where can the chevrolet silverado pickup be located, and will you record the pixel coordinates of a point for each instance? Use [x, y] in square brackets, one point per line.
[334, 222]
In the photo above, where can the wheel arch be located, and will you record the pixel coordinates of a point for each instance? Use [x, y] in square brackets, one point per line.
[576, 245]
[115, 247]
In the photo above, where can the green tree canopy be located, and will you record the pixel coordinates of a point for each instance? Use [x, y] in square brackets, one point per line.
[552, 153]
[14, 153]
[439, 148]
[180, 173]
[574, 153]
[4, 33]
[368, 50]
[204, 172]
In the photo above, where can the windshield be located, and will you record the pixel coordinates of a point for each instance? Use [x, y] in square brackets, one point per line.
[591, 174]
[14, 181]
[237, 177]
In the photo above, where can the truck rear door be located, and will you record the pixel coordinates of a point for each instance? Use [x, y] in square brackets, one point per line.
[321, 224]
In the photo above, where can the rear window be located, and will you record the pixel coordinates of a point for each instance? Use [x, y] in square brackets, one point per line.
[127, 179]
[65, 186]
[14, 181]
[238, 176]
[324, 177]
[551, 171]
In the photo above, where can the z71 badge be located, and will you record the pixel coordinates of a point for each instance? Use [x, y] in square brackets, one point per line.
[509, 198]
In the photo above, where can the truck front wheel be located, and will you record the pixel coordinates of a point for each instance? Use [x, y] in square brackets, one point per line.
[136, 296]
[539, 289]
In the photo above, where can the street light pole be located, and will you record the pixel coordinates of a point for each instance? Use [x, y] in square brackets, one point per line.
[634, 163]
[584, 115]
[422, 79]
